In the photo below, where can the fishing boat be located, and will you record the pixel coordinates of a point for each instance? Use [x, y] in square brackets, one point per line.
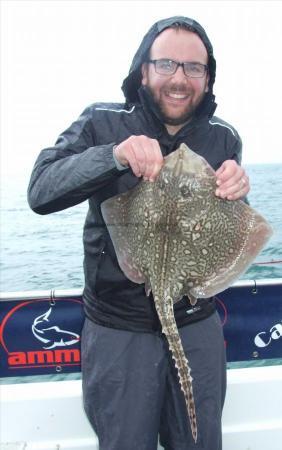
[41, 395]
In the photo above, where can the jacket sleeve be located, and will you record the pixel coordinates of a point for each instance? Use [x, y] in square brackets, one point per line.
[235, 151]
[72, 170]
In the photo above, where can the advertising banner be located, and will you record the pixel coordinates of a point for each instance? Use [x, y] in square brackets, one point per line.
[42, 336]
[252, 322]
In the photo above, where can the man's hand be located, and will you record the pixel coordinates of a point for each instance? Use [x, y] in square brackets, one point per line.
[142, 154]
[232, 181]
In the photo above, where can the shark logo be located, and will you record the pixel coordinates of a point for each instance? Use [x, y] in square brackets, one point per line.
[52, 336]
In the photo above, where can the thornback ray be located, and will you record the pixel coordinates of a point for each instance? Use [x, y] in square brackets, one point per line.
[179, 239]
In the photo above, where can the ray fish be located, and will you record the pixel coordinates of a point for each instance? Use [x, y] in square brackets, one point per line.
[175, 236]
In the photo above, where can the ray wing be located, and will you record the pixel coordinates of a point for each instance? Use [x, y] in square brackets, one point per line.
[214, 248]
[235, 248]
[126, 217]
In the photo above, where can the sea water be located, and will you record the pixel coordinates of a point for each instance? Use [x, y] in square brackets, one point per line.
[46, 252]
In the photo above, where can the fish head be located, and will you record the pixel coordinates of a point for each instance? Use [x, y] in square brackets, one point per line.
[185, 161]
[185, 179]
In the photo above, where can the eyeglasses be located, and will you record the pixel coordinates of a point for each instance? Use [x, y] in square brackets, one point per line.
[169, 67]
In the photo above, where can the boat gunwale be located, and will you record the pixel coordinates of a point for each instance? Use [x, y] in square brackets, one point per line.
[53, 294]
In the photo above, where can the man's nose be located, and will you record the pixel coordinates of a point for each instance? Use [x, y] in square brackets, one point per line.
[179, 74]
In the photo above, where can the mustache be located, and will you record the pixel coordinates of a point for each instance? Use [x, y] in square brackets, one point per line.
[177, 89]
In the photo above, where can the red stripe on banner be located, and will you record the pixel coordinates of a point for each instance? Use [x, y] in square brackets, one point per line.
[44, 365]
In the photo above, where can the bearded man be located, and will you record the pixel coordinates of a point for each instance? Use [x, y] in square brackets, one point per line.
[130, 385]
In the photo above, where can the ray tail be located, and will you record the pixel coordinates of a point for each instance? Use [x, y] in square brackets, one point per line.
[169, 328]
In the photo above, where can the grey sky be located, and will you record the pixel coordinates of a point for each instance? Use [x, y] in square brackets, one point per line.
[60, 56]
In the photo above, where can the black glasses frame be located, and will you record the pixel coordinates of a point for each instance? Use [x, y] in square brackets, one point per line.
[177, 64]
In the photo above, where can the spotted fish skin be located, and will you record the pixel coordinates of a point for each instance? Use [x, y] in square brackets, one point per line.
[164, 307]
[179, 239]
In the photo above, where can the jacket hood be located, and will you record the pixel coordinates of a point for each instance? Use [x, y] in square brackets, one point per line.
[132, 82]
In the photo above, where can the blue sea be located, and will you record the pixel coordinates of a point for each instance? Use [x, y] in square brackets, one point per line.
[45, 252]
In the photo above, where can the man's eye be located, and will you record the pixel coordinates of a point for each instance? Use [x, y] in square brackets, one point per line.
[165, 64]
[195, 68]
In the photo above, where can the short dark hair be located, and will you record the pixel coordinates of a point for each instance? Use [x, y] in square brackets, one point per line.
[182, 26]
[177, 26]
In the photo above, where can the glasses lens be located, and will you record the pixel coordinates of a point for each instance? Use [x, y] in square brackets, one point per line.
[194, 70]
[165, 66]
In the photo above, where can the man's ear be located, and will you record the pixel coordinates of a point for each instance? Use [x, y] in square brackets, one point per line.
[144, 71]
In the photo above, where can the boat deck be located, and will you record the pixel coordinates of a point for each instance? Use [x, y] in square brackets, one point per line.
[50, 416]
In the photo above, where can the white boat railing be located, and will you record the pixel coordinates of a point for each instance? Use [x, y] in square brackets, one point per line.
[61, 293]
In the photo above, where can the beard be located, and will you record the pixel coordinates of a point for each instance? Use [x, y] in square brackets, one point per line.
[182, 118]
[185, 117]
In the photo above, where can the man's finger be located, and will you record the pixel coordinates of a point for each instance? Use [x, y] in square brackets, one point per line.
[228, 170]
[139, 156]
[238, 189]
[158, 161]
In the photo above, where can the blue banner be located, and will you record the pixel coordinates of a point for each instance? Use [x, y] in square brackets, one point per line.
[252, 322]
[42, 336]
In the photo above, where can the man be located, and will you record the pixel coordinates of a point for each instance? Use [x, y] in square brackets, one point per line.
[130, 387]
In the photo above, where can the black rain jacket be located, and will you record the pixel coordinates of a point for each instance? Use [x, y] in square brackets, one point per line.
[80, 166]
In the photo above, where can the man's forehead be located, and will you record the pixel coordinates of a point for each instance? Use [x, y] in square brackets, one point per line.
[178, 41]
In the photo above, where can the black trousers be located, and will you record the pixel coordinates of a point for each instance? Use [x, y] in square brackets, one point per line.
[131, 391]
